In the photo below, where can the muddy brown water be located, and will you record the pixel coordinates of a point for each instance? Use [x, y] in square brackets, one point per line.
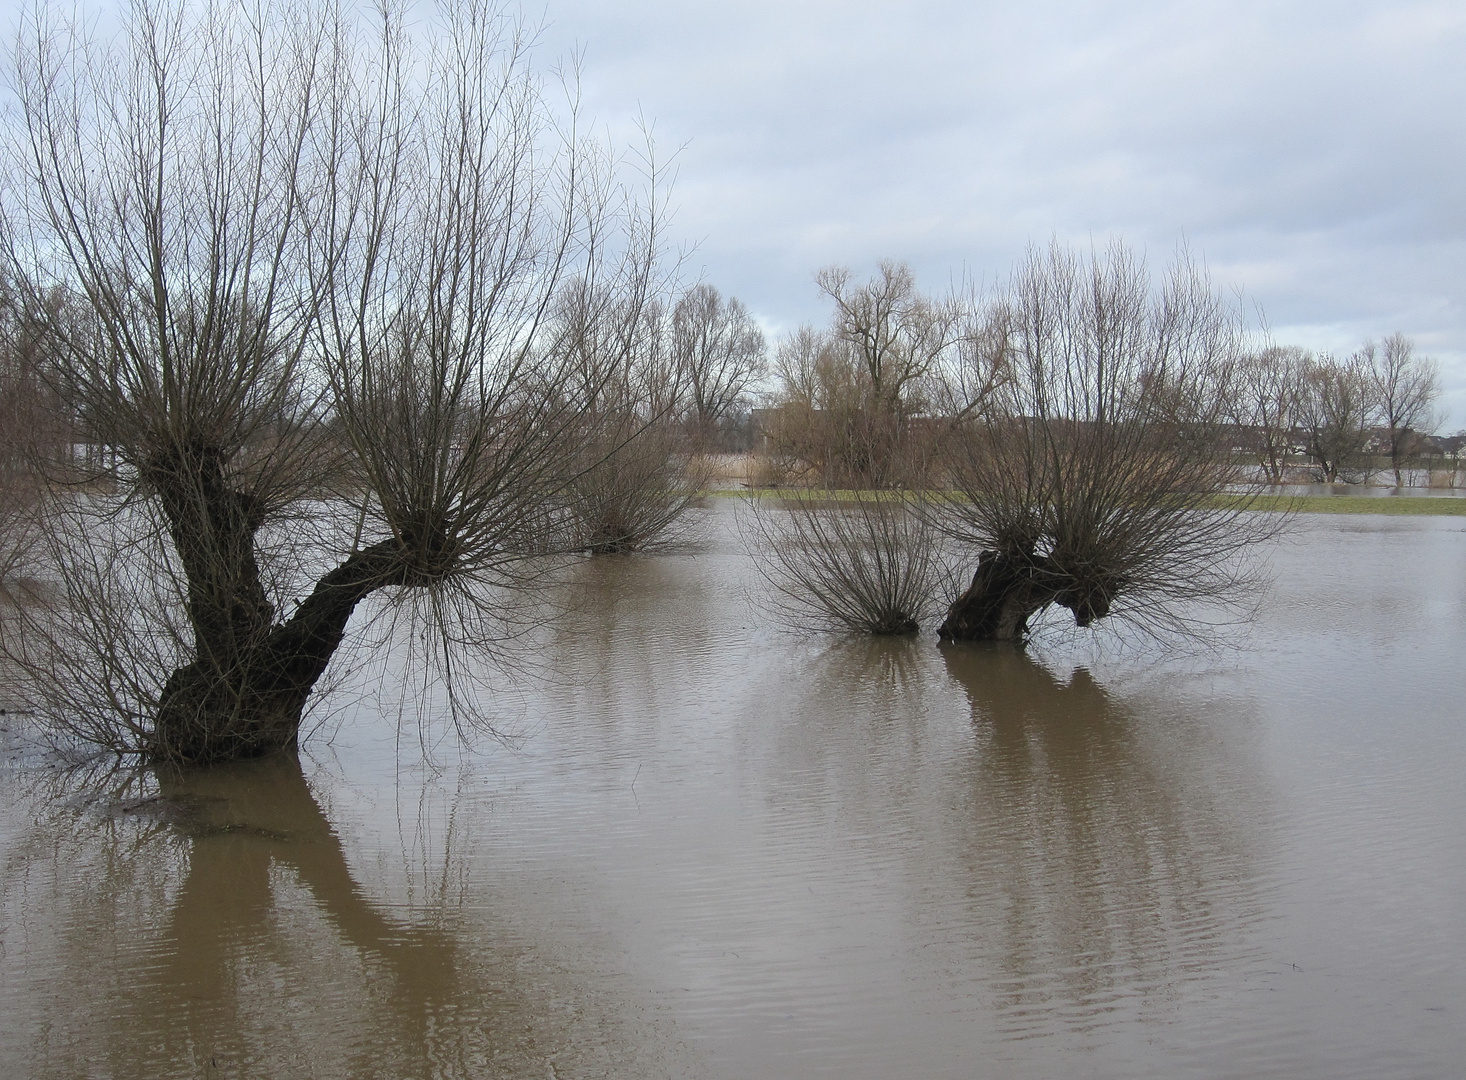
[713, 849]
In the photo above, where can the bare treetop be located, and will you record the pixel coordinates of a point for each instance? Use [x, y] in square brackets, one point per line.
[896, 334]
[720, 351]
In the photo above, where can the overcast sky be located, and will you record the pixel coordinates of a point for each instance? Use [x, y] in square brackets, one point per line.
[1313, 153]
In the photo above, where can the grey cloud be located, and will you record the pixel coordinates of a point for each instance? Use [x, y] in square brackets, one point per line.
[1313, 152]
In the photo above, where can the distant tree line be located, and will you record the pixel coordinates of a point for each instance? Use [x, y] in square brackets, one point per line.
[865, 402]
[1338, 414]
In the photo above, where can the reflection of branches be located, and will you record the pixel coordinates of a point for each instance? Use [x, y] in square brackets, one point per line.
[93, 796]
[613, 651]
[250, 820]
[1099, 873]
[212, 926]
[855, 736]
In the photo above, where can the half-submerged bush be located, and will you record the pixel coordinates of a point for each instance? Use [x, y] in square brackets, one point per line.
[634, 472]
[862, 562]
[1089, 478]
[638, 482]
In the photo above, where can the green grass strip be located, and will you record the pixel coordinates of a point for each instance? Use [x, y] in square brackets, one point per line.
[1395, 505]
[839, 495]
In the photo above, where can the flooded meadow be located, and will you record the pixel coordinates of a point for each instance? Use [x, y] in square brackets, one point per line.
[709, 847]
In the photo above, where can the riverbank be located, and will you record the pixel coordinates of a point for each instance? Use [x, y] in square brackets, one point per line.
[1362, 504]
[1400, 506]
[732, 474]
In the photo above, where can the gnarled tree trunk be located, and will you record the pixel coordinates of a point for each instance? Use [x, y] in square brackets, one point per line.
[1006, 591]
[246, 688]
[1010, 588]
[251, 703]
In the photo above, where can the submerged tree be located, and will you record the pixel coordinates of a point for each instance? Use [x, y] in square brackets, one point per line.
[860, 562]
[1089, 477]
[637, 473]
[317, 257]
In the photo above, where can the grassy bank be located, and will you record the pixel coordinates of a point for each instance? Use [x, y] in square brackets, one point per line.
[1302, 504]
[1362, 504]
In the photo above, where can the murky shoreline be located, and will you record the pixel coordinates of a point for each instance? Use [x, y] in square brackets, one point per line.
[717, 849]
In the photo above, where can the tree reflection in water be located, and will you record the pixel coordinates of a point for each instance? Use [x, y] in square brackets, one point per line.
[250, 822]
[265, 956]
[1099, 857]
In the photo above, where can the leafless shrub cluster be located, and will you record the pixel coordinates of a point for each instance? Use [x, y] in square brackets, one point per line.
[637, 482]
[637, 471]
[315, 253]
[858, 429]
[865, 562]
[663, 386]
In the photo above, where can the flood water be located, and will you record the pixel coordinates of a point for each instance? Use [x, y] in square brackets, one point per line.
[714, 849]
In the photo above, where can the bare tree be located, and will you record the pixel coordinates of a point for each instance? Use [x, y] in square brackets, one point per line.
[319, 256]
[850, 393]
[1405, 387]
[637, 472]
[826, 421]
[1089, 478]
[1335, 406]
[895, 334]
[721, 353]
[1265, 399]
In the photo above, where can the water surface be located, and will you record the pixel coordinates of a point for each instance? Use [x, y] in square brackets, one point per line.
[716, 849]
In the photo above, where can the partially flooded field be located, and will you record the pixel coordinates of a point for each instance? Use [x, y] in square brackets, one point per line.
[711, 848]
